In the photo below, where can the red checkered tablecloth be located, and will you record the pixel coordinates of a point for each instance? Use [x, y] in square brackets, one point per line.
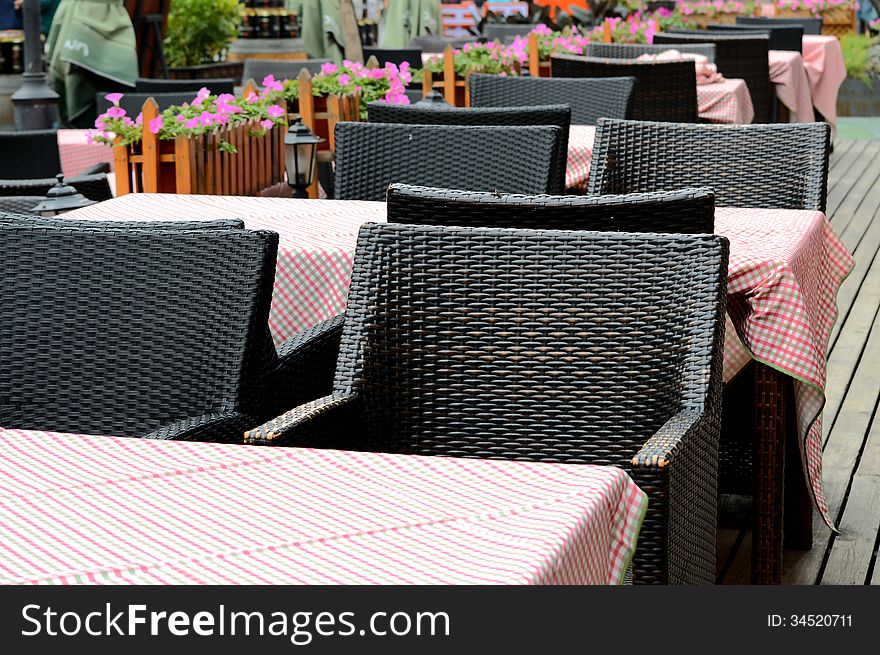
[580, 152]
[785, 269]
[78, 155]
[792, 87]
[823, 59]
[725, 102]
[102, 510]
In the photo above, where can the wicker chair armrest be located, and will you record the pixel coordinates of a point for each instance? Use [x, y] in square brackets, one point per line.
[216, 427]
[102, 167]
[678, 469]
[304, 371]
[325, 422]
[662, 448]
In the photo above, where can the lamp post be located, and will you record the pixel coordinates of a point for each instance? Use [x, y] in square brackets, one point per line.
[300, 158]
[61, 198]
[35, 105]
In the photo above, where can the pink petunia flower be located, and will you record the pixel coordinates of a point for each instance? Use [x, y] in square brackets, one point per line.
[266, 124]
[114, 98]
[329, 68]
[271, 83]
[275, 111]
[252, 98]
[115, 112]
[156, 124]
[344, 79]
[140, 118]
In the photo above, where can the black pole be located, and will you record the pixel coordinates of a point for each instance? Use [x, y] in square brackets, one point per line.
[35, 105]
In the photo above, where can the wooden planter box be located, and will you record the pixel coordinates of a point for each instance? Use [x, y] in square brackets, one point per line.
[196, 165]
[453, 87]
[855, 98]
[836, 21]
[537, 66]
[321, 114]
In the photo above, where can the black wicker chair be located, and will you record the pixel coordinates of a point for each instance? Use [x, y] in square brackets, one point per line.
[116, 342]
[783, 165]
[811, 26]
[31, 153]
[396, 56]
[258, 69]
[665, 90]
[20, 204]
[589, 99]
[558, 115]
[687, 211]
[506, 32]
[370, 156]
[435, 44]
[215, 85]
[132, 103]
[94, 186]
[736, 56]
[635, 50]
[782, 37]
[509, 344]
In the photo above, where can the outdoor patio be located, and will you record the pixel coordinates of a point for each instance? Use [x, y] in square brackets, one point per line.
[852, 435]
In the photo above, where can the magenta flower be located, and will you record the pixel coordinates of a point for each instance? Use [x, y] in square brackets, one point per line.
[140, 119]
[271, 83]
[252, 98]
[275, 111]
[200, 96]
[155, 124]
[266, 124]
[114, 98]
[344, 79]
[192, 123]
[206, 118]
[329, 68]
[115, 112]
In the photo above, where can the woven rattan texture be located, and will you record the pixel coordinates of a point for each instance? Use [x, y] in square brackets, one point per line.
[258, 69]
[779, 166]
[28, 154]
[19, 204]
[811, 26]
[589, 99]
[688, 211]
[558, 115]
[370, 156]
[742, 57]
[94, 186]
[578, 347]
[215, 85]
[782, 37]
[122, 331]
[634, 50]
[665, 90]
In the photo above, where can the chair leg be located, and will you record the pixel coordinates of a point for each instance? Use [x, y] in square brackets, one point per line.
[770, 415]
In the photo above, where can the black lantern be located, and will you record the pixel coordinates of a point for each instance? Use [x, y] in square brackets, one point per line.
[61, 198]
[301, 156]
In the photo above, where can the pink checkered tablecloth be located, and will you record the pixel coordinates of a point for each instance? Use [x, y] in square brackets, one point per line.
[102, 510]
[725, 102]
[78, 155]
[580, 152]
[792, 86]
[823, 59]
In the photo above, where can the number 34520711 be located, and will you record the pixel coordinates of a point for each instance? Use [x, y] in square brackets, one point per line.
[809, 621]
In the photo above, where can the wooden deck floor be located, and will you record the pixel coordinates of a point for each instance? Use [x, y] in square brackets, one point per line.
[851, 424]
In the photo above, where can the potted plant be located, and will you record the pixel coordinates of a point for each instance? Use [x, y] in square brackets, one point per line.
[211, 145]
[838, 16]
[197, 35]
[699, 13]
[859, 95]
[448, 72]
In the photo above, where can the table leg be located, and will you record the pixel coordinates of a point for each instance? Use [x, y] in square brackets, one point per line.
[769, 458]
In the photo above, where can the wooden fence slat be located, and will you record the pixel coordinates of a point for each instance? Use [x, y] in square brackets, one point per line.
[183, 165]
[449, 75]
[534, 57]
[150, 145]
[123, 172]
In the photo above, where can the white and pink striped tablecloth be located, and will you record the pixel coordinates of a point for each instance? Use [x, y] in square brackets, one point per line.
[785, 269]
[791, 84]
[104, 510]
[78, 155]
[826, 70]
[725, 102]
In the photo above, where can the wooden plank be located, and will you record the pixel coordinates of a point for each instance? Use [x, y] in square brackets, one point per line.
[150, 147]
[840, 457]
[449, 75]
[855, 213]
[182, 164]
[245, 153]
[534, 57]
[852, 187]
[122, 167]
[210, 172]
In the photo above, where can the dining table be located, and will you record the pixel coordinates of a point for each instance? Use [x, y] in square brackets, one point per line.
[826, 71]
[791, 84]
[96, 509]
[785, 269]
